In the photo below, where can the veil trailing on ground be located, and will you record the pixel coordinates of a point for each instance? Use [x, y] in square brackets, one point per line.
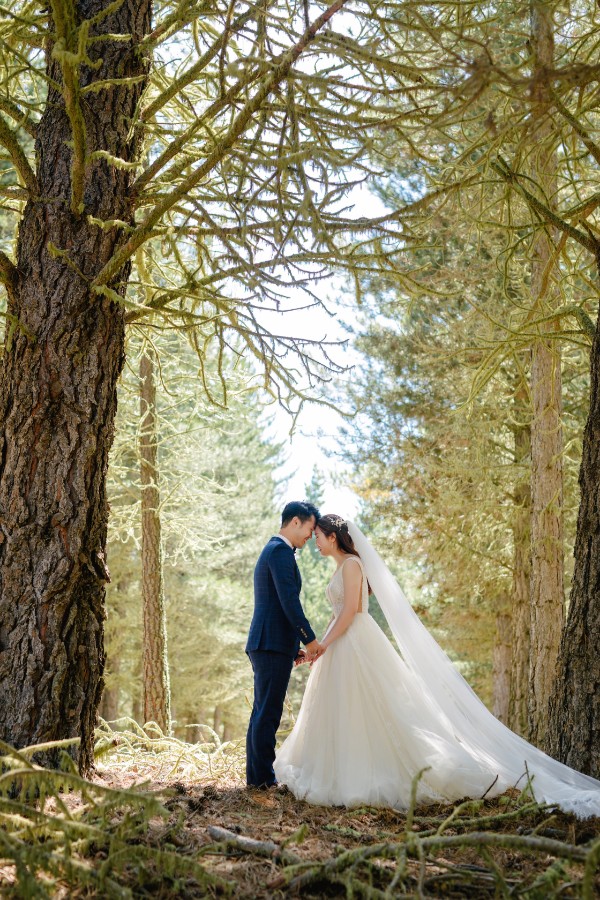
[461, 713]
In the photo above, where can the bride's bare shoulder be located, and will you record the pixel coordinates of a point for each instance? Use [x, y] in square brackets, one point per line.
[356, 559]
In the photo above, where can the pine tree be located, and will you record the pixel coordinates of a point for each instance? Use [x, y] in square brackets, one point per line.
[217, 507]
[157, 700]
[204, 131]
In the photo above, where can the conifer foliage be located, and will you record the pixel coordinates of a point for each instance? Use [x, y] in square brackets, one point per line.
[217, 138]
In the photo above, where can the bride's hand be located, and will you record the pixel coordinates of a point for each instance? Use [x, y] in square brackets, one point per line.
[317, 655]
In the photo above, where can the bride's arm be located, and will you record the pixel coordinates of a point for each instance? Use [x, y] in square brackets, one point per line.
[352, 576]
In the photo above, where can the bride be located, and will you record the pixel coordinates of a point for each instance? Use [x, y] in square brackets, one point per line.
[373, 718]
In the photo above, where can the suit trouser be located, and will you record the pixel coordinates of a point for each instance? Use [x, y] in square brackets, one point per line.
[271, 677]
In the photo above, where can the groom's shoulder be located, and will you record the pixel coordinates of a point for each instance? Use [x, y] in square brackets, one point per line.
[269, 547]
[273, 547]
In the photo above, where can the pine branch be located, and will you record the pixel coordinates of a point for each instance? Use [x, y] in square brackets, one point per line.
[194, 71]
[9, 140]
[143, 232]
[175, 147]
[8, 272]
[590, 145]
[511, 177]
[584, 209]
[11, 109]
[14, 193]
[268, 849]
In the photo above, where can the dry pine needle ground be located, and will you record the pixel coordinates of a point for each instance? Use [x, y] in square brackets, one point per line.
[196, 831]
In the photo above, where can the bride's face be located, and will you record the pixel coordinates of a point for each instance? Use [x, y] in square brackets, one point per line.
[325, 542]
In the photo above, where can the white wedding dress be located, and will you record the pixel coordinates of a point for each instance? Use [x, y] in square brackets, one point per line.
[372, 718]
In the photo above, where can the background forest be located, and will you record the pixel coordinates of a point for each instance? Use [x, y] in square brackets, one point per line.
[473, 298]
[188, 190]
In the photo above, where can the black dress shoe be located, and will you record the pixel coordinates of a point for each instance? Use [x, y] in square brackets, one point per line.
[261, 787]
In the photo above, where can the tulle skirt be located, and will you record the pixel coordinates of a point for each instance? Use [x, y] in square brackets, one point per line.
[368, 727]
[365, 730]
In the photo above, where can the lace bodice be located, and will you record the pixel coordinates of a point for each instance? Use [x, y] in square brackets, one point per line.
[335, 588]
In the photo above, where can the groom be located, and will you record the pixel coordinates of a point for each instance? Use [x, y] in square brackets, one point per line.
[278, 625]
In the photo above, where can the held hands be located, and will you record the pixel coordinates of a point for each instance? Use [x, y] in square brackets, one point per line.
[313, 651]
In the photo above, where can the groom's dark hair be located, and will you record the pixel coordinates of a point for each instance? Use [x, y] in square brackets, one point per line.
[300, 508]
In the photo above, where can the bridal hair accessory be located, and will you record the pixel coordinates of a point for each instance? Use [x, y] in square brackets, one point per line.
[338, 523]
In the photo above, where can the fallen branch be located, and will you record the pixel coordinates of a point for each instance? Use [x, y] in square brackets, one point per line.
[268, 849]
[417, 847]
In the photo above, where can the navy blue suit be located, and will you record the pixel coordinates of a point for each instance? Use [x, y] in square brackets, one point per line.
[278, 626]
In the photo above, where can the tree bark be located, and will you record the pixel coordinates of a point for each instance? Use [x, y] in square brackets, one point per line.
[502, 658]
[547, 563]
[518, 718]
[574, 718]
[58, 401]
[155, 665]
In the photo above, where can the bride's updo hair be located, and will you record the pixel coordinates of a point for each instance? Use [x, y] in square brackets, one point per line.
[332, 524]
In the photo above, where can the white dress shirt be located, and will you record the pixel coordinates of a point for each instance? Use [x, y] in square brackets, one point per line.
[287, 541]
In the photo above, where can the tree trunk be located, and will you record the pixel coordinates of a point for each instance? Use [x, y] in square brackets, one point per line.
[109, 705]
[574, 719]
[155, 667]
[217, 719]
[58, 400]
[518, 718]
[502, 659]
[547, 564]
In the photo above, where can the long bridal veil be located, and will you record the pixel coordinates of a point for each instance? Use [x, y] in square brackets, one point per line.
[458, 709]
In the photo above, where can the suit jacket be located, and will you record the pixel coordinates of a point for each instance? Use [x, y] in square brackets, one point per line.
[278, 622]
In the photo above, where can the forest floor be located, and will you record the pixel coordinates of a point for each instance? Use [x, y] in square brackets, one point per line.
[165, 819]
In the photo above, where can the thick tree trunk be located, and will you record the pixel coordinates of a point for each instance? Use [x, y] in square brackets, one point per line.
[518, 718]
[547, 563]
[57, 405]
[502, 659]
[155, 668]
[574, 720]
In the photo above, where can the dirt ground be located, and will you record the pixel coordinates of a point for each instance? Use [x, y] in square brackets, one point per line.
[314, 852]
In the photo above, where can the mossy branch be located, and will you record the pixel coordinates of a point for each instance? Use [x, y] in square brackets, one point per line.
[590, 145]
[268, 849]
[58, 253]
[280, 71]
[8, 271]
[47, 845]
[176, 146]
[178, 84]
[106, 84]
[10, 108]
[504, 170]
[299, 872]
[115, 161]
[14, 193]
[9, 140]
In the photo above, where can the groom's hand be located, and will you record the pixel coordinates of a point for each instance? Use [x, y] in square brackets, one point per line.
[301, 658]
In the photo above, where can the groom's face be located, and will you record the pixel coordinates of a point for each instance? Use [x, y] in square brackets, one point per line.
[303, 531]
